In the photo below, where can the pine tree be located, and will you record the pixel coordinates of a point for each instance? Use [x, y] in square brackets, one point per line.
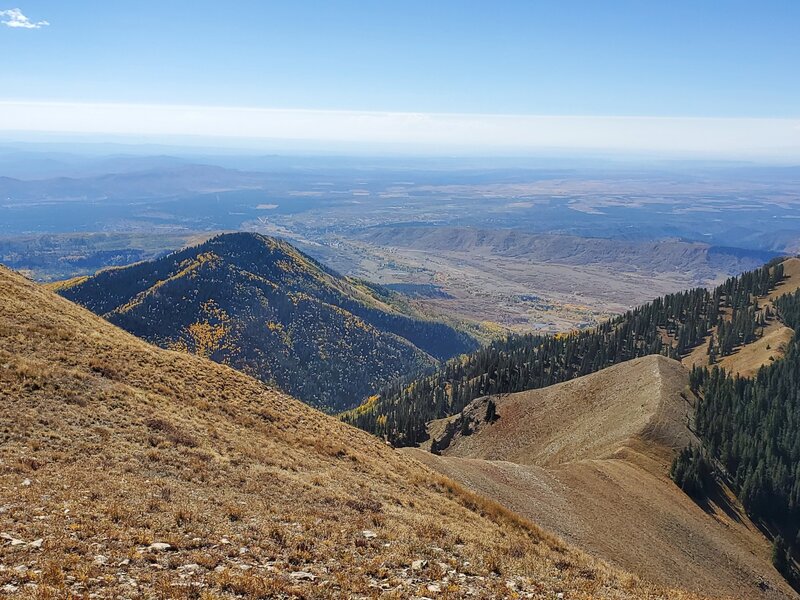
[491, 412]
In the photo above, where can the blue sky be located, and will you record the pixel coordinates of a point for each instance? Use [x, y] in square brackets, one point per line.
[701, 59]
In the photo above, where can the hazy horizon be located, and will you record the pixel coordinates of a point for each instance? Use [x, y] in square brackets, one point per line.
[684, 80]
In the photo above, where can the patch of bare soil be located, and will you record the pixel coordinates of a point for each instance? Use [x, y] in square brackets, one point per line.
[750, 358]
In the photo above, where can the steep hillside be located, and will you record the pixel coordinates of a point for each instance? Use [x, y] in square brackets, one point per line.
[261, 306]
[589, 460]
[749, 430]
[128, 471]
[588, 417]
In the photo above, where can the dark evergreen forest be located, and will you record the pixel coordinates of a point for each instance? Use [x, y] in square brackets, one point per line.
[750, 433]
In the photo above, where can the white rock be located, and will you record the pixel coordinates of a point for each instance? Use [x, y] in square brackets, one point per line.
[224, 541]
[26, 482]
[159, 546]
[560, 595]
[36, 543]
[10, 588]
[369, 534]
[12, 540]
[434, 587]
[100, 559]
[418, 565]
[302, 576]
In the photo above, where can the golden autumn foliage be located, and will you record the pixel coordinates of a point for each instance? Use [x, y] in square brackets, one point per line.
[261, 306]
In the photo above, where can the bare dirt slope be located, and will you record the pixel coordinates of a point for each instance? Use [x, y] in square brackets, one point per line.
[791, 271]
[127, 471]
[588, 459]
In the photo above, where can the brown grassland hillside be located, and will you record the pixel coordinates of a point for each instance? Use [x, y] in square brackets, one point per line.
[128, 471]
[589, 460]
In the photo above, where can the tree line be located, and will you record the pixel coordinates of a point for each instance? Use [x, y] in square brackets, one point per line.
[671, 325]
[750, 429]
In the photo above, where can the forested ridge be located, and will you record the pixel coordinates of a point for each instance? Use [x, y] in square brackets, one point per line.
[261, 306]
[670, 325]
[750, 434]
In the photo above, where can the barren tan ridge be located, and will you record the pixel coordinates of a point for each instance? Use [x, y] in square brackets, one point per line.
[588, 460]
[127, 471]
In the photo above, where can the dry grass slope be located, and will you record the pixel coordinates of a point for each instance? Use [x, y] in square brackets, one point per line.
[111, 449]
[588, 460]
[585, 418]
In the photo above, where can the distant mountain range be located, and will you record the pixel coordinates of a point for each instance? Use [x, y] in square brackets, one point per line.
[702, 262]
[51, 257]
[157, 181]
[261, 306]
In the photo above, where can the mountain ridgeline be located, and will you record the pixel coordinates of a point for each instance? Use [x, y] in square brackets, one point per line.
[670, 325]
[195, 480]
[261, 306]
